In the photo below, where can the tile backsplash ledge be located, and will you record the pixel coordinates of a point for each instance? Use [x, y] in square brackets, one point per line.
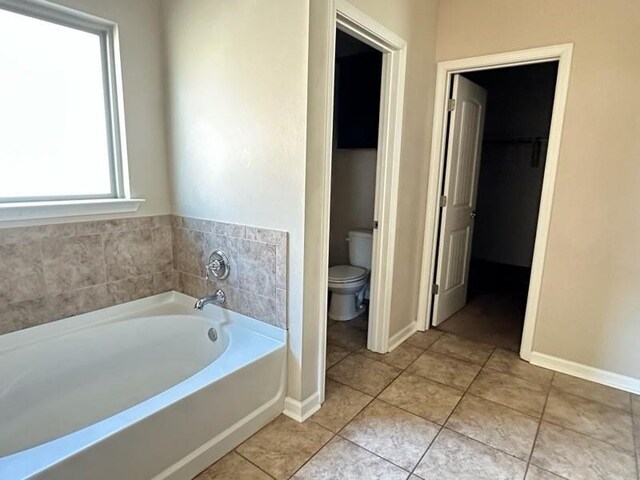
[49, 272]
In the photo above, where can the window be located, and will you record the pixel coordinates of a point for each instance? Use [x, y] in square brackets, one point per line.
[59, 123]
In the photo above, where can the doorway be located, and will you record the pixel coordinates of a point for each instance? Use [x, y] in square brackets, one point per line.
[493, 287]
[346, 18]
[505, 198]
[357, 84]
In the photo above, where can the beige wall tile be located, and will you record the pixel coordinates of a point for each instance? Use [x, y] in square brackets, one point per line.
[257, 264]
[16, 316]
[76, 302]
[188, 251]
[38, 232]
[72, 262]
[128, 254]
[164, 281]
[228, 229]
[162, 245]
[20, 272]
[130, 289]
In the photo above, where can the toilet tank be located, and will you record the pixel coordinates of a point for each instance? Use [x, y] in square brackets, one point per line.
[360, 248]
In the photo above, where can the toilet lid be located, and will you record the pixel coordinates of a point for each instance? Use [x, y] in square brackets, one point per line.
[345, 273]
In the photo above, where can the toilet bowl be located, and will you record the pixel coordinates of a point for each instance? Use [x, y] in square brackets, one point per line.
[347, 285]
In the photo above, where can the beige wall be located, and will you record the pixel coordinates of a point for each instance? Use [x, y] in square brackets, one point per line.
[237, 89]
[353, 193]
[590, 303]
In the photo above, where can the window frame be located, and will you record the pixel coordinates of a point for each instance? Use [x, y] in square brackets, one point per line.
[107, 32]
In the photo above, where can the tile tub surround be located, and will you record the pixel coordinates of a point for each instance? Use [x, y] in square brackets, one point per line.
[49, 272]
[257, 283]
[446, 423]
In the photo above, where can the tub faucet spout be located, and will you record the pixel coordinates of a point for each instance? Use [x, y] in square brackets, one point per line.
[218, 298]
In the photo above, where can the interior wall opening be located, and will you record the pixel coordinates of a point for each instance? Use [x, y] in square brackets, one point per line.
[494, 263]
[358, 76]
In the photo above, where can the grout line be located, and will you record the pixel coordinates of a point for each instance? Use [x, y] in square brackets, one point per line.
[374, 453]
[535, 438]
[248, 460]
[448, 416]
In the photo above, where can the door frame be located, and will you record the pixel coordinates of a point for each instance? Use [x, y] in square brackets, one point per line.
[560, 53]
[356, 23]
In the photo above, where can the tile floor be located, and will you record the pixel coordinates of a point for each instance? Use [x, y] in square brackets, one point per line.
[441, 407]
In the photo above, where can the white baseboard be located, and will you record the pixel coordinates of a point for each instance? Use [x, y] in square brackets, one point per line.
[622, 382]
[300, 411]
[402, 335]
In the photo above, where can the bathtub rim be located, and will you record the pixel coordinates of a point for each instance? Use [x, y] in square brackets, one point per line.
[125, 311]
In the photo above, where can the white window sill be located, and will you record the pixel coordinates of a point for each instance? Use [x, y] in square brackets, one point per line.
[66, 208]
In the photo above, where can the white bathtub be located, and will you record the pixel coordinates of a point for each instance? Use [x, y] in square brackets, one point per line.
[136, 391]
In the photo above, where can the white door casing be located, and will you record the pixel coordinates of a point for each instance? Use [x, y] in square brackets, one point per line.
[460, 188]
[445, 71]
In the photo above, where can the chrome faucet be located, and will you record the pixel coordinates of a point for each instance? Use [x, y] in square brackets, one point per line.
[218, 298]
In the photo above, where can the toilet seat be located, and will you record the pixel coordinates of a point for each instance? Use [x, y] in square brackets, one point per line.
[346, 274]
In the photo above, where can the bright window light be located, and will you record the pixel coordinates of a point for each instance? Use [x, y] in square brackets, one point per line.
[56, 142]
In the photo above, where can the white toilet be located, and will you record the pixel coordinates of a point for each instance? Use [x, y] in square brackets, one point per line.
[349, 284]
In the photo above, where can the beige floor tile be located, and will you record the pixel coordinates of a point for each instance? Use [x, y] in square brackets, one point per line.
[284, 445]
[578, 457]
[497, 426]
[232, 467]
[443, 369]
[609, 424]
[593, 391]
[335, 353]
[509, 362]
[422, 397]
[395, 435]
[524, 396]
[456, 457]
[364, 374]
[401, 357]
[341, 460]
[346, 335]
[535, 473]
[424, 339]
[340, 405]
[462, 349]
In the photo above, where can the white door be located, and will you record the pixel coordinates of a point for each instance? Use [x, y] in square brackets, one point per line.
[466, 125]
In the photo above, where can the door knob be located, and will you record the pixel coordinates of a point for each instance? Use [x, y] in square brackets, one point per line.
[473, 214]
